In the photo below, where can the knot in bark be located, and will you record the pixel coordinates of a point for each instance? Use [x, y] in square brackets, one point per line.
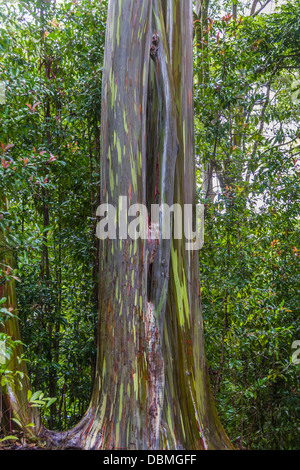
[154, 47]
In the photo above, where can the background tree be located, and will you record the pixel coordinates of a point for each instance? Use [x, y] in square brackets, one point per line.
[50, 174]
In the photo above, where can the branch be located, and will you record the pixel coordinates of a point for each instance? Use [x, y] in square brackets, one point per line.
[198, 7]
[261, 8]
[253, 7]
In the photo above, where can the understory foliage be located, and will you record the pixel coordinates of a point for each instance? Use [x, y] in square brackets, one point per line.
[247, 110]
[51, 60]
[247, 107]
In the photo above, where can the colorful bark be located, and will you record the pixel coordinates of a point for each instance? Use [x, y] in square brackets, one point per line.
[152, 387]
[193, 418]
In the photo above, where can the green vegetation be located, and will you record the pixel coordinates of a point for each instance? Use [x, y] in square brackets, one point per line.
[247, 109]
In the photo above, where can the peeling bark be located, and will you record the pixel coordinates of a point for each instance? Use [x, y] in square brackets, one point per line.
[152, 387]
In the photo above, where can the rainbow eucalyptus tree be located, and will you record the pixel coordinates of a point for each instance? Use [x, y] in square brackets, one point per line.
[151, 389]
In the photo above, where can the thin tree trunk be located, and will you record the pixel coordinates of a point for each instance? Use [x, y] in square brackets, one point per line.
[14, 394]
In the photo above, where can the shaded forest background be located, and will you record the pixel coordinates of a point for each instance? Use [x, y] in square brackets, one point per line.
[247, 108]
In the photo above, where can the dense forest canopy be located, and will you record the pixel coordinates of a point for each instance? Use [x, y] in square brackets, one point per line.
[247, 108]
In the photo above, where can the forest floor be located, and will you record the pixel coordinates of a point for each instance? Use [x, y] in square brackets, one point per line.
[27, 444]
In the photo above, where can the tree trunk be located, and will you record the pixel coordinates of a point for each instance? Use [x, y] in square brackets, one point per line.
[152, 388]
[13, 394]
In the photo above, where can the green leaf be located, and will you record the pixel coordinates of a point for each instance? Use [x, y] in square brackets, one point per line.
[9, 438]
[17, 422]
[35, 396]
[50, 402]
